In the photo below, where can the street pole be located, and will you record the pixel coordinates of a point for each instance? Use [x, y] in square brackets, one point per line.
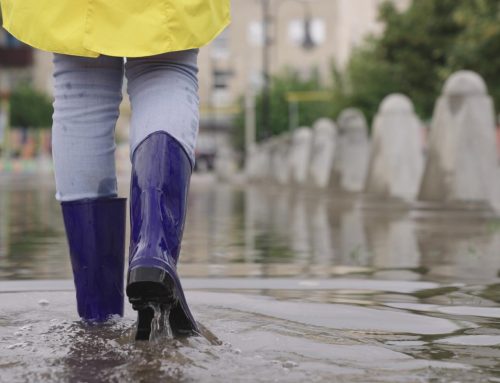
[266, 63]
[5, 111]
[249, 120]
[293, 115]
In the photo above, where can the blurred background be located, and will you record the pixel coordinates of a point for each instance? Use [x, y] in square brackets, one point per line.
[315, 184]
[285, 63]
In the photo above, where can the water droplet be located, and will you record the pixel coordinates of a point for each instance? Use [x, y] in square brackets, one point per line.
[15, 345]
[289, 364]
[43, 302]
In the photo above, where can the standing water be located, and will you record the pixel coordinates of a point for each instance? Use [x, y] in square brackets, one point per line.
[287, 287]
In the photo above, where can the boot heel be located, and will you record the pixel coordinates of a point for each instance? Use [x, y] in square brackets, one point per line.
[144, 319]
[149, 285]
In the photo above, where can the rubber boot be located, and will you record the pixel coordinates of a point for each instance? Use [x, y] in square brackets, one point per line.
[161, 171]
[96, 236]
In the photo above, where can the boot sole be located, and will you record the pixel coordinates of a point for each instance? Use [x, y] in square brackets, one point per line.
[146, 286]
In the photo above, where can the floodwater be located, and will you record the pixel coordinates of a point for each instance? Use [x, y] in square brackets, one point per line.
[287, 287]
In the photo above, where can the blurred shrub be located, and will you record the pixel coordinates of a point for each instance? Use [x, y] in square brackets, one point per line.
[281, 84]
[30, 108]
[419, 49]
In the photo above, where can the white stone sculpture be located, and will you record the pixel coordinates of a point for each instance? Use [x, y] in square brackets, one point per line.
[353, 152]
[323, 152]
[258, 162]
[396, 160]
[300, 155]
[225, 163]
[462, 155]
[280, 159]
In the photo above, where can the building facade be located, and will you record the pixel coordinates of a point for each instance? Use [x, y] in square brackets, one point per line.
[233, 63]
[304, 35]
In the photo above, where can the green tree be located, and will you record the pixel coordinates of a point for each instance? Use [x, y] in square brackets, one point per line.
[410, 57]
[282, 84]
[478, 46]
[420, 48]
[30, 108]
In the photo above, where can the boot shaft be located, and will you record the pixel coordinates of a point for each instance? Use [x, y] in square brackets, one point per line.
[158, 200]
[95, 231]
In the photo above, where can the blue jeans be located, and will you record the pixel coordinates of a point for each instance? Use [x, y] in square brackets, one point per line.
[163, 93]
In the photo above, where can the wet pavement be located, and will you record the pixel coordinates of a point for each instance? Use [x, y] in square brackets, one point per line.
[287, 286]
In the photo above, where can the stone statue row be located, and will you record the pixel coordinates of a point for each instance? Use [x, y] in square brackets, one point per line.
[456, 160]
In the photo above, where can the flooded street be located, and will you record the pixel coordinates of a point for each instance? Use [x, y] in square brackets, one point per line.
[288, 286]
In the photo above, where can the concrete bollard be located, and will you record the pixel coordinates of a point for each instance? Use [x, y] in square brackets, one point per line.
[323, 152]
[225, 164]
[353, 152]
[264, 163]
[251, 163]
[462, 158]
[300, 155]
[258, 162]
[280, 161]
[396, 160]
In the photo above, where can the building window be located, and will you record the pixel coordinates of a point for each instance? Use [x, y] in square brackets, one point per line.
[221, 98]
[221, 78]
[297, 31]
[255, 34]
[220, 46]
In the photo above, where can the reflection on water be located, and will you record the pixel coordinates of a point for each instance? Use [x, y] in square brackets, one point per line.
[288, 286]
[32, 242]
[257, 231]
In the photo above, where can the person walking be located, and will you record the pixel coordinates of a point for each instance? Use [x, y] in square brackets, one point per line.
[154, 44]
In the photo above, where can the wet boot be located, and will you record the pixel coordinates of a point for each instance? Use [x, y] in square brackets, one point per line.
[161, 171]
[95, 229]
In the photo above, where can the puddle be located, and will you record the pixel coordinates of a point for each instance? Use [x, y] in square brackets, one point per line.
[287, 287]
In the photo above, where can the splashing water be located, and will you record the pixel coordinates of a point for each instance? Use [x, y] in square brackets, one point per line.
[160, 325]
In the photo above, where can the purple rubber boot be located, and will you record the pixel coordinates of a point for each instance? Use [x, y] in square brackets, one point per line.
[96, 236]
[161, 171]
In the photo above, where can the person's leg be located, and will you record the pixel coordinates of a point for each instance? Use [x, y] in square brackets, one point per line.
[87, 97]
[164, 98]
[163, 92]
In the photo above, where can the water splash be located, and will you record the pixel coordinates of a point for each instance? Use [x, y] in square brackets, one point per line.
[160, 325]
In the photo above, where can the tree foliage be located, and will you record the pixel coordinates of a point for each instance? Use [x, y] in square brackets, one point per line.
[283, 83]
[420, 48]
[30, 108]
[478, 46]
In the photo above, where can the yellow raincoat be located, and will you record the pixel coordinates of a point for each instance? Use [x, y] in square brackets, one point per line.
[124, 28]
